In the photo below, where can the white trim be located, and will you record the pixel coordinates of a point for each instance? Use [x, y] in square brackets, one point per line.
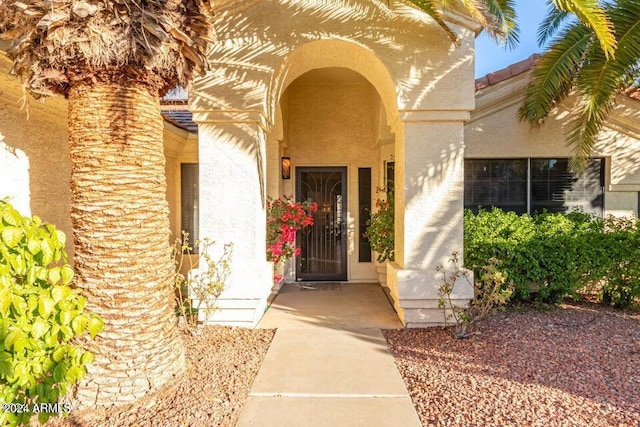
[231, 116]
[435, 115]
[624, 187]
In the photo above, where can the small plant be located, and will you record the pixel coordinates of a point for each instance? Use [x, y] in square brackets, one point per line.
[490, 293]
[41, 317]
[203, 287]
[284, 218]
[460, 314]
[380, 231]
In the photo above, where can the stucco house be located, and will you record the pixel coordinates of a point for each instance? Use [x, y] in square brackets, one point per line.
[336, 99]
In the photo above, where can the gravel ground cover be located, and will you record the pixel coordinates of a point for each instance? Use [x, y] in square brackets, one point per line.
[573, 365]
[222, 363]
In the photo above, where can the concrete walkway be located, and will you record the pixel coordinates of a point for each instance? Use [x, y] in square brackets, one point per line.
[328, 364]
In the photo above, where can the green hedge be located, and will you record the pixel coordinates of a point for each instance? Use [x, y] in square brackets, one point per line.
[548, 256]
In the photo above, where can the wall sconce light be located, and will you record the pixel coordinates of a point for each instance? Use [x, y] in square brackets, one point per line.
[286, 168]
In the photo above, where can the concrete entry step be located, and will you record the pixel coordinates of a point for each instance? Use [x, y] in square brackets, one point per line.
[339, 304]
[328, 364]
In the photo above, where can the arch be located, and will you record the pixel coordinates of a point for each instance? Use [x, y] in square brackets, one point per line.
[333, 53]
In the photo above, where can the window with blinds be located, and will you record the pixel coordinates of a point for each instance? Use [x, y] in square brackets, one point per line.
[189, 180]
[533, 185]
[555, 188]
[500, 183]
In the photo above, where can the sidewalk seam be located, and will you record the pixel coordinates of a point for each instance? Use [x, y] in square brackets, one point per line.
[329, 395]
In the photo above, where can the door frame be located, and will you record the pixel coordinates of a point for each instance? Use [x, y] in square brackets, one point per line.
[343, 274]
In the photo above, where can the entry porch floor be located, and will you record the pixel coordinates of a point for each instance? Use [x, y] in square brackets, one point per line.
[328, 364]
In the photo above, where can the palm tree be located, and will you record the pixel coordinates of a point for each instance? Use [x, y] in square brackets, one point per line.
[112, 59]
[576, 63]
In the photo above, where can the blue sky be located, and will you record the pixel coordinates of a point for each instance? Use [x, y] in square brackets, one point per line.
[491, 57]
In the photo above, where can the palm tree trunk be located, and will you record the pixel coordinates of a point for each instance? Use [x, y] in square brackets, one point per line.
[120, 220]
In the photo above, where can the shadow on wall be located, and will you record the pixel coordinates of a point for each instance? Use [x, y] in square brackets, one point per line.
[34, 157]
[434, 197]
[619, 139]
[247, 142]
[254, 60]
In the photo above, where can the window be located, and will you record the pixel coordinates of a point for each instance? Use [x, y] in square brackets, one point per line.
[533, 185]
[499, 183]
[390, 172]
[364, 203]
[189, 180]
[555, 188]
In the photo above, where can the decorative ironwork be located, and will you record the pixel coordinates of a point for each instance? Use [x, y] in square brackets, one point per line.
[323, 247]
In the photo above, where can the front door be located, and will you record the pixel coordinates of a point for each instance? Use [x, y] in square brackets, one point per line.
[323, 246]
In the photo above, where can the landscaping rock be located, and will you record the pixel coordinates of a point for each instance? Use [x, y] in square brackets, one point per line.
[222, 363]
[574, 365]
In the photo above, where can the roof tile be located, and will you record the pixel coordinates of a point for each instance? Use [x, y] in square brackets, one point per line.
[181, 118]
[506, 73]
[633, 93]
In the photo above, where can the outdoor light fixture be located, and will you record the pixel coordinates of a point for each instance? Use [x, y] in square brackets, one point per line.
[286, 168]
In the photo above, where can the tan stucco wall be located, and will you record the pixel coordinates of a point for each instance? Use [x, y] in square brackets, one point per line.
[495, 132]
[425, 84]
[180, 147]
[34, 165]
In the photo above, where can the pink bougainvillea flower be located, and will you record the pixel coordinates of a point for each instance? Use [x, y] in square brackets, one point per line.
[284, 218]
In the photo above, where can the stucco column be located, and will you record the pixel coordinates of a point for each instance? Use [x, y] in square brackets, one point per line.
[232, 157]
[429, 161]
[274, 167]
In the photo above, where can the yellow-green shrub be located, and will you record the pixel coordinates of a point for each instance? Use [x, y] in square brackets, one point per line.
[40, 314]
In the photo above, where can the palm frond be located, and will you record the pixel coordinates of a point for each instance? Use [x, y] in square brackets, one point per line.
[590, 14]
[497, 17]
[430, 7]
[550, 24]
[582, 129]
[161, 42]
[601, 79]
[553, 75]
[505, 28]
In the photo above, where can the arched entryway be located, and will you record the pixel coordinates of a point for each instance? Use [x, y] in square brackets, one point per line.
[334, 132]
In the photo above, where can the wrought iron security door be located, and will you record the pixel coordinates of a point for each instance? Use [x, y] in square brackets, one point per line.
[323, 246]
